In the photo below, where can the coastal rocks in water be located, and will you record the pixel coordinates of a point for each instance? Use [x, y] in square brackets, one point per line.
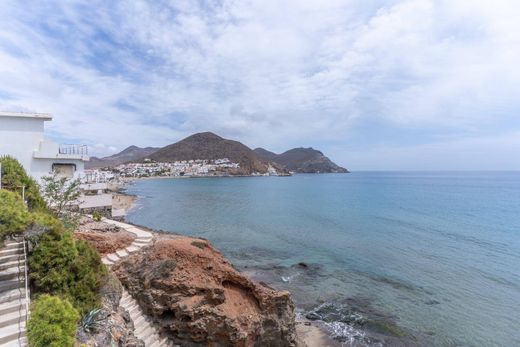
[197, 298]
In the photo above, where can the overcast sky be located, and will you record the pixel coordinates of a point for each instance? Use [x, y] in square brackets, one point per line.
[373, 84]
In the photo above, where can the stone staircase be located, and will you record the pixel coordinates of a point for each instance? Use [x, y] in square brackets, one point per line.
[144, 329]
[13, 297]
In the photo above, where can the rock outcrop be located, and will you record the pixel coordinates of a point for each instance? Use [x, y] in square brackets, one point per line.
[199, 299]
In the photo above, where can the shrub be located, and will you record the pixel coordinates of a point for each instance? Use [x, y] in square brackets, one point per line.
[14, 178]
[91, 321]
[14, 216]
[96, 216]
[45, 221]
[52, 322]
[62, 266]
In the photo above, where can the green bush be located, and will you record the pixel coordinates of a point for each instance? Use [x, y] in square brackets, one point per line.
[14, 216]
[45, 221]
[14, 178]
[96, 216]
[62, 266]
[52, 322]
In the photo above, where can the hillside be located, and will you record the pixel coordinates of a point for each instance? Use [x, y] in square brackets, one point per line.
[131, 153]
[211, 146]
[303, 160]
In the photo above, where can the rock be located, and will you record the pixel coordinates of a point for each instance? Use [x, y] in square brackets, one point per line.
[116, 328]
[303, 265]
[197, 298]
[313, 316]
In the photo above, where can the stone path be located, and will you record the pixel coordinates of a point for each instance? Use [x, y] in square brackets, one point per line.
[13, 298]
[144, 328]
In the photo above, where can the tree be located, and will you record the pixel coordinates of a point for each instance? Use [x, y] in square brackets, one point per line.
[15, 179]
[60, 193]
[14, 216]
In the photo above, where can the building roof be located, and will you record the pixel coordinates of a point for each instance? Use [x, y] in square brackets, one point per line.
[43, 116]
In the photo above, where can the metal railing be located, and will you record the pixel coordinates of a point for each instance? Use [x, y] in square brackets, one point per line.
[74, 149]
[26, 281]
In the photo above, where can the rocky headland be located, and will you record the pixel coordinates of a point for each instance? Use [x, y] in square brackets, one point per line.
[197, 298]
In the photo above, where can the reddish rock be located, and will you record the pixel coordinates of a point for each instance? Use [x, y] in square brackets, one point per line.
[106, 243]
[198, 298]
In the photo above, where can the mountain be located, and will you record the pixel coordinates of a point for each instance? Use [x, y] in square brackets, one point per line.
[131, 153]
[210, 146]
[303, 160]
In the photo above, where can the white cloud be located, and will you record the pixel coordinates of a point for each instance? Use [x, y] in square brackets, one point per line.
[270, 73]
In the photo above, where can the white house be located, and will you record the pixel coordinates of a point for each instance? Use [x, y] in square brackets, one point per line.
[21, 136]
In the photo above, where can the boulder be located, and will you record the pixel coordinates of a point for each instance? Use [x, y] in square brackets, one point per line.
[197, 298]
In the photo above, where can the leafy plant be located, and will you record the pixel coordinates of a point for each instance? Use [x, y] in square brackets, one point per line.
[14, 216]
[96, 216]
[15, 179]
[61, 195]
[62, 266]
[91, 321]
[52, 322]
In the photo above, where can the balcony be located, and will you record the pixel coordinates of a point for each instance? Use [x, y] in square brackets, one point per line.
[51, 150]
[77, 150]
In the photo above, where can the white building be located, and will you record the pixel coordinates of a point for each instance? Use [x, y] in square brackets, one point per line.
[22, 137]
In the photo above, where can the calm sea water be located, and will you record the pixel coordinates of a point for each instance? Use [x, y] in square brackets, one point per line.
[431, 259]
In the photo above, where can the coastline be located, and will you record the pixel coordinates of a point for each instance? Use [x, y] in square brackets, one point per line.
[309, 333]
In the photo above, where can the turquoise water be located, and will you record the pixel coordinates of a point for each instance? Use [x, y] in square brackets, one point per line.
[435, 256]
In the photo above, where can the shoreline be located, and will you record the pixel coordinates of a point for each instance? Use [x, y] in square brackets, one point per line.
[309, 333]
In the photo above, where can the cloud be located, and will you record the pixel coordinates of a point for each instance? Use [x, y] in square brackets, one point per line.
[270, 73]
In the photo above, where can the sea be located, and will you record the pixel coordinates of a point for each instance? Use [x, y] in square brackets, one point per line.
[375, 258]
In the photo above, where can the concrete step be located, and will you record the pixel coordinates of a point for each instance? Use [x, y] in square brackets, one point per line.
[6, 252]
[151, 338]
[8, 285]
[12, 333]
[12, 264]
[159, 343]
[11, 318]
[21, 342]
[112, 257]
[143, 240]
[125, 302]
[11, 274]
[141, 319]
[11, 295]
[143, 331]
[121, 253]
[106, 261]
[132, 248]
[8, 307]
[10, 258]
[13, 245]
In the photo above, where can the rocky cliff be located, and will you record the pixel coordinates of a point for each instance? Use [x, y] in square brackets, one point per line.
[303, 160]
[199, 299]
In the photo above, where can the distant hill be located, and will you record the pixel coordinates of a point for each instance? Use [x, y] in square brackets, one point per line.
[303, 160]
[131, 153]
[210, 146]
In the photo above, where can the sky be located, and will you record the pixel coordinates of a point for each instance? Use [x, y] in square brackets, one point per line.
[375, 85]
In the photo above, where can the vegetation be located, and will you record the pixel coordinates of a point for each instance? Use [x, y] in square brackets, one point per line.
[91, 321]
[14, 216]
[71, 268]
[65, 274]
[61, 194]
[52, 322]
[199, 244]
[15, 179]
[96, 216]
[164, 268]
